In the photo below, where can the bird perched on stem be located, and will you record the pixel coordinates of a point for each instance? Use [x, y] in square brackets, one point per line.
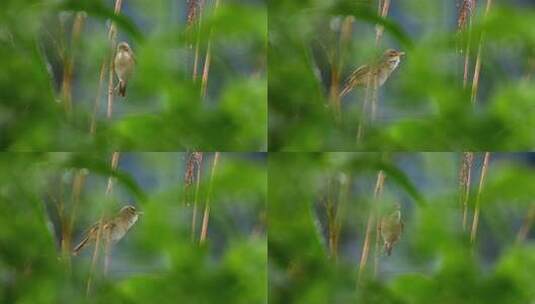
[112, 230]
[391, 229]
[124, 65]
[380, 71]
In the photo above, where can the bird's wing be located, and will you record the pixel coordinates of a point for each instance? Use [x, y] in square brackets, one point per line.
[356, 78]
[359, 73]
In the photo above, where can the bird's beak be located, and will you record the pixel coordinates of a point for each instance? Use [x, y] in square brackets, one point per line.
[140, 212]
[401, 53]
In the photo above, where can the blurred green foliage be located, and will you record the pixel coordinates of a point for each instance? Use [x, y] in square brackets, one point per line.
[433, 262]
[423, 106]
[163, 109]
[157, 261]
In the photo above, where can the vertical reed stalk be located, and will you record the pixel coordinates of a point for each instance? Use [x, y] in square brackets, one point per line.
[66, 233]
[68, 62]
[465, 177]
[366, 246]
[528, 222]
[382, 10]
[94, 258]
[206, 216]
[464, 21]
[194, 163]
[207, 60]
[477, 69]
[475, 221]
[382, 177]
[336, 63]
[196, 8]
[112, 32]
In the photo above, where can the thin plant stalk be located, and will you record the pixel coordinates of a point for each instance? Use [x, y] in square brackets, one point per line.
[526, 225]
[196, 199]
[382, 177]
[68, 62]
[382, 8]
[477, 69]
[337, 63]
[200, 7]
[465, 17]
[475, 221]
[111, 37]
[206, 215]
[112, 34]
[366, 246]
[207, 60]
[94, 258]
[465, 177]
[77, 185]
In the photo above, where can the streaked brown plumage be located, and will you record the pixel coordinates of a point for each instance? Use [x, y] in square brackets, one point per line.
[113, 229]
[366, 73]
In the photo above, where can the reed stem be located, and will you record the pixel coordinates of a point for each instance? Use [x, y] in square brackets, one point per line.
[206, 215]
[475, 221]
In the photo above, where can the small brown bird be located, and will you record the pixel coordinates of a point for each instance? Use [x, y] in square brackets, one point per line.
[124, 65]
[381, 70]
[113, 229]
[391, 229]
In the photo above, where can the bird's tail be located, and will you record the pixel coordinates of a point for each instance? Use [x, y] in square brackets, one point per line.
[122, 88]
[80, 246]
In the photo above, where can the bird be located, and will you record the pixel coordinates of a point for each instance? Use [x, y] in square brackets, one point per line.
[124, 64]
[381, 70]
[112, 230]
[391, 229]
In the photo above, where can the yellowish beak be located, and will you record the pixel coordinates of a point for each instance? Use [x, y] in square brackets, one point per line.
[401, 53]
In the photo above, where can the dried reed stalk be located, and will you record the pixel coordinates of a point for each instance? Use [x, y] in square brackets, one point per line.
[68, 62]
[66, 233]
[382, 10]
[464, 21]
[477, 68]
[207, 60]
[206, 216]
[194, 163]
[366, 246]
[94, 258]
[337, 63]
[475, 221]
[378, 225]
[112, 33]
[464, 185]
[195, 13]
